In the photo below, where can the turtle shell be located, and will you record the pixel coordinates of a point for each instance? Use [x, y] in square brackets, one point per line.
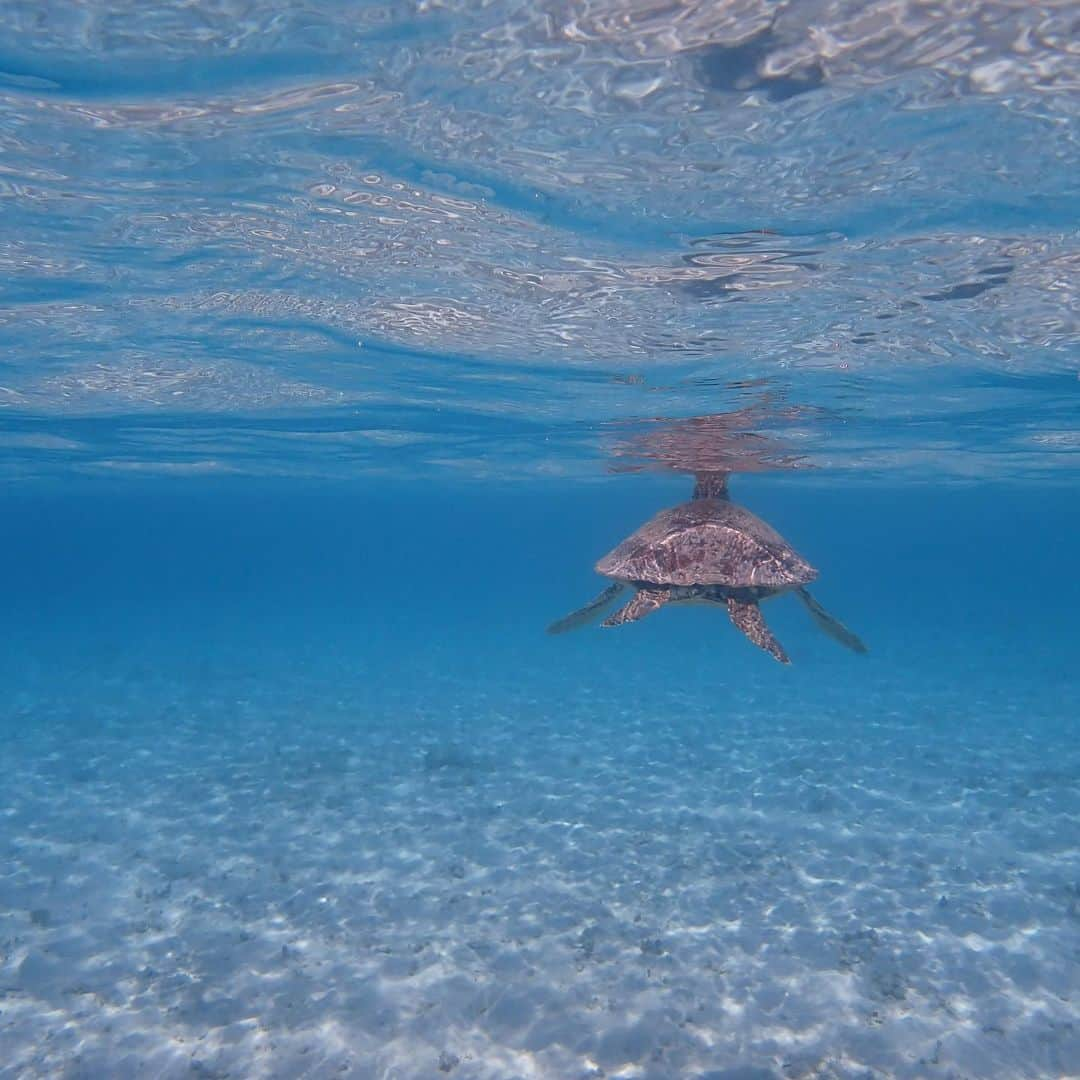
[707, 542]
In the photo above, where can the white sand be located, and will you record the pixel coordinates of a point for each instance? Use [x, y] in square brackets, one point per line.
[243, 877]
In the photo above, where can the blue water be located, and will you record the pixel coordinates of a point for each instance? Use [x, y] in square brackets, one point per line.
[338, 342]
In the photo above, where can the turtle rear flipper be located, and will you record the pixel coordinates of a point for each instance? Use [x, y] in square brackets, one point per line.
[746, 615]
[645, 602]
[585, 615]
[833, 627]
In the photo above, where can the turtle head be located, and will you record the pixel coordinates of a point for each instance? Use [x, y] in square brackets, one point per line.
[710, 485]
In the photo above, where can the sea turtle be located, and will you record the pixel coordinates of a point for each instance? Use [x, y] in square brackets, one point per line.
[708, 550]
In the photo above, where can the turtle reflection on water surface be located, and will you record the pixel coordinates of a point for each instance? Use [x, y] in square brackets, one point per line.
[708, 550]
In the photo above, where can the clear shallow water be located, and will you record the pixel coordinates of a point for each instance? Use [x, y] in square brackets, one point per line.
[338, 343]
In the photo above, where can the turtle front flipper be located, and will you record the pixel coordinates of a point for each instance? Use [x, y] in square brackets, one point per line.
[833, 627]
[644, 603]
[585, 615]
[746, 615]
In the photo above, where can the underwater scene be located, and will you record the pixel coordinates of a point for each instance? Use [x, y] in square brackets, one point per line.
[540, 539]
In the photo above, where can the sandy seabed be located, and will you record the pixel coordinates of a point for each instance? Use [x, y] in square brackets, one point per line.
[260, 878]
